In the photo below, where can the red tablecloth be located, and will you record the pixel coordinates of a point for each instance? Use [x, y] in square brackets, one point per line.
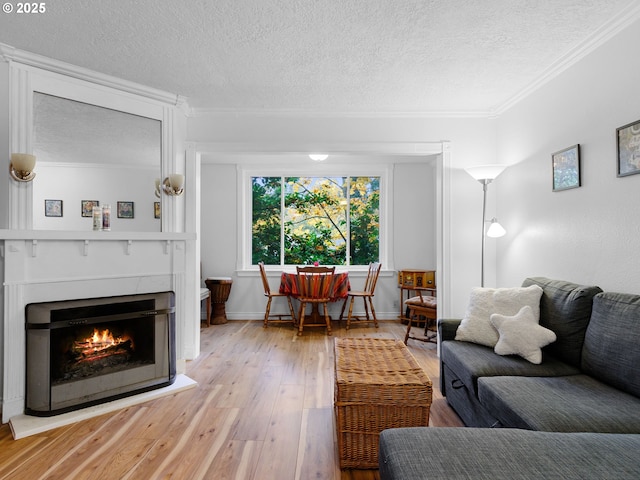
[339, 289]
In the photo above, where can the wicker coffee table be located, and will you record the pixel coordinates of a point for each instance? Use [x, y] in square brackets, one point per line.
[378, 385]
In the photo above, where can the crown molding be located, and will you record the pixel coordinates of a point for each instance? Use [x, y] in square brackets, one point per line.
[295, 113]
[11, 54]
[332, 148]
[622, 20]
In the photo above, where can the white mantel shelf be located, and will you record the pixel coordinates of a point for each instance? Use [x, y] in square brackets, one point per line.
[92, 235]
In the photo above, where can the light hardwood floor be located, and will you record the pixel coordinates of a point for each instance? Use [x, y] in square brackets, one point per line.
[263, 409]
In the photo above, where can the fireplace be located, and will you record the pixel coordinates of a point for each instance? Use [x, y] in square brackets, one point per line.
[89, 351]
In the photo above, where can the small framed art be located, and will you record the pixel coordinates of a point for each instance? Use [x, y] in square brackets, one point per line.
[125, 209]
[628, 143]
[53, 208]
[566, 168]
[156, 209]
[86, 207]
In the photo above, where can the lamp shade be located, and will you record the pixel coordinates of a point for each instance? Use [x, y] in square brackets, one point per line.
[23, 162]
[485, 172]
[21, 167]
[495, 230]
[176, 181]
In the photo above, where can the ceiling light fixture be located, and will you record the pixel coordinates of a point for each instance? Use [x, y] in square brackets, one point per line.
[318, 157]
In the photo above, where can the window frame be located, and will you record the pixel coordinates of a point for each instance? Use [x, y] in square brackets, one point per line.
[246, 173]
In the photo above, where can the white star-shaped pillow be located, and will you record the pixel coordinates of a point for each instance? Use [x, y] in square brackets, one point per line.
[521, 334]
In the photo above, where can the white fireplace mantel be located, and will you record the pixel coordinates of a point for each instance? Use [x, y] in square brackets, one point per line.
[39, 266]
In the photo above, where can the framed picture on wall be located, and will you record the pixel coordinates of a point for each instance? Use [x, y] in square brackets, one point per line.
[86, 207]
[566, 168]
[53, 208]
[125, 209]
[156, 209]
[628, 142]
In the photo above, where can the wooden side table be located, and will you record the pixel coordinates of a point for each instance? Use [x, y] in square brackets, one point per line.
[415, 281]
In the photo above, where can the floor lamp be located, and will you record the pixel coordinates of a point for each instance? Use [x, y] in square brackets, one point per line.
[485, 174]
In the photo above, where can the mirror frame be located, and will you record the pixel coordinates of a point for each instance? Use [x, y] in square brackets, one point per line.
[94, 89]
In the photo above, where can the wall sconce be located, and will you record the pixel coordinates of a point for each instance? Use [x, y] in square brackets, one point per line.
[21, 167]
[485, 174]
[173, 185]
[318, 157]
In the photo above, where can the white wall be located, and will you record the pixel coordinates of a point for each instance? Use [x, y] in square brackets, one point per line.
[106, 184]
[589, 234]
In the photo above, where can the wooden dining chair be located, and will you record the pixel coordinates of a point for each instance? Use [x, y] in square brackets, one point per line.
[422, 308]
[315, 285]
[277, 317]
[367, 297]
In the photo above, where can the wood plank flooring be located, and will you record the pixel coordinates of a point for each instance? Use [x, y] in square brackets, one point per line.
[263, 409]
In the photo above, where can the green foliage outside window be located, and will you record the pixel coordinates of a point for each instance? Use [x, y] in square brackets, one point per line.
[315, 219]
[266, 220]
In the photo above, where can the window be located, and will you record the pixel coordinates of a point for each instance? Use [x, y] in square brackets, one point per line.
[332, 220]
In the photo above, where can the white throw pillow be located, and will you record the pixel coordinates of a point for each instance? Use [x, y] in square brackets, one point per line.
[476, 325]
[520, 334]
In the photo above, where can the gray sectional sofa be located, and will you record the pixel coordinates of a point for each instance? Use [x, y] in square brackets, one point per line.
[588, 381]
[423, 453]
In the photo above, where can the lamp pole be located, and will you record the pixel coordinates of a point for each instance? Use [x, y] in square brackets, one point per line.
[485, 182]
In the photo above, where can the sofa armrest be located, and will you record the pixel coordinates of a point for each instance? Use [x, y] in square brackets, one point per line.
[447, 328]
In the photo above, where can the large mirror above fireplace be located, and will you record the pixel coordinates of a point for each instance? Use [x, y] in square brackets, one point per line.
[88, 153]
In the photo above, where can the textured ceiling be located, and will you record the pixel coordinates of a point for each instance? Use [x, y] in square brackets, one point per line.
[347, 56]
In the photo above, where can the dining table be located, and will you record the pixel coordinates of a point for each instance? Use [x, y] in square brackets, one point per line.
[339, 290]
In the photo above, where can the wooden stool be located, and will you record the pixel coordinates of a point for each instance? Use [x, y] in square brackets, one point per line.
[220, 288]
[426, 307]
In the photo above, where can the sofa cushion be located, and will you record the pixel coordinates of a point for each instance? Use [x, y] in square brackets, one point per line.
[611, 351]
[521, 335]
[505, 454]
[470, 361]
[476, 325]
[576, 403]
[565, 308]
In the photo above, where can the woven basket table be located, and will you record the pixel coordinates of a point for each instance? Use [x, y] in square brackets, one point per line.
[378, 385]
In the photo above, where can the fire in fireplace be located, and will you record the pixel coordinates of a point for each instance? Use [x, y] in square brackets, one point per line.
[89, 351]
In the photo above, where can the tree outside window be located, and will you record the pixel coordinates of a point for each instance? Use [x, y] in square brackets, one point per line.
[302, 220]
